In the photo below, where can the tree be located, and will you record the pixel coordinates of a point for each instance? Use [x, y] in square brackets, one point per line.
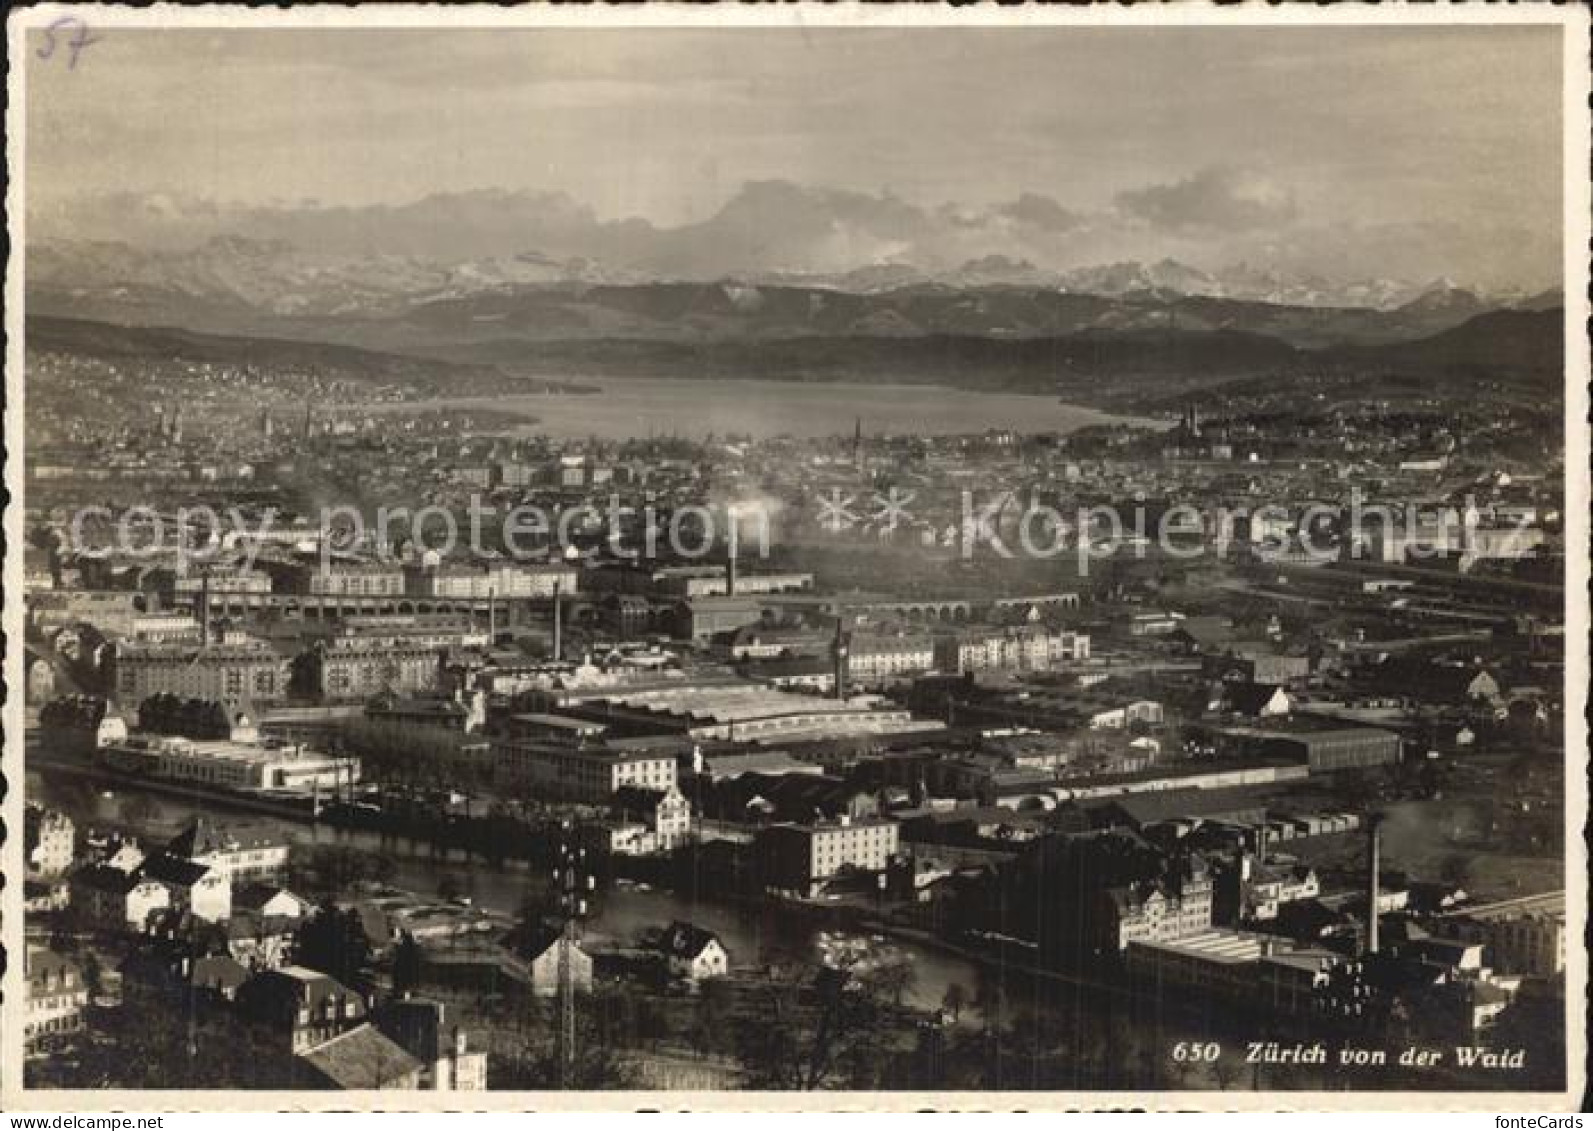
[807, 1027]
[93, 975]
[141, 810]
[531, 1061]
[212, 720]
[1454, 868]
[159, 1048]
[406, 964]
[334, 942]
[65, 927]
[891, 980]
[992, 1003]
[331, 869]
[1226, 1072]
[955, 1001]
[710, 1017]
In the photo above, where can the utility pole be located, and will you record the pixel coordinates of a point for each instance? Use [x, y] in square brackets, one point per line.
[1373, 893]
[574, 882]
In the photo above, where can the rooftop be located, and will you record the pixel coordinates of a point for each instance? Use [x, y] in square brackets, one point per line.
[362, 1058]
[221, 750]
[1224, 946]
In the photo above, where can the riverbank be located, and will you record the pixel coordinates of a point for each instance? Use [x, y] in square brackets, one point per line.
[183, 791]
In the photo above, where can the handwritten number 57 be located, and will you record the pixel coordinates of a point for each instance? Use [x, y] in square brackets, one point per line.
[78, 39]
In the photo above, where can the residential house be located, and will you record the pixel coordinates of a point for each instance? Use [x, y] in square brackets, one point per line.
[202, 889]
[298, 1007]
[694, 953]
[270, 901]
[165, 972]
[48, 842]
[1256, 665]
[245, 858]
[544, 947]
[56, 992]
[40, 897]
[1251, 700]
[261, 942]
[665, 814]
[420, 1028]
[360, 1059]
[114, 899]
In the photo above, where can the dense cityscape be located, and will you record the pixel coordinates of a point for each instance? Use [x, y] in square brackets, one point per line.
[1135, 678]
[793, 776]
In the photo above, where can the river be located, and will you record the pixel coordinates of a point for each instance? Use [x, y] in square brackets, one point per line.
[752, 934]
[1142, 1032]
[634, 407]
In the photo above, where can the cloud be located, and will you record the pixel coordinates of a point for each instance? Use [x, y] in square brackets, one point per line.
[1218, 198]
[1041, 212]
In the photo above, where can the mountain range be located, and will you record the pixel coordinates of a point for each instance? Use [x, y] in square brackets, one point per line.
[236, 285]
[783, 280]
[284, 278]
[327, 257]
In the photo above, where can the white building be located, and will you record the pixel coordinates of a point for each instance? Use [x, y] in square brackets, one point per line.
[693, 953]
[200, 889]
[1028, 648]
[233, 765]
[49, 839]
[117, 900]
[802, 857]
[233, 674]
[876, 659]
[500, 581]
[568, 773]
[56, 994]
[1523, 936]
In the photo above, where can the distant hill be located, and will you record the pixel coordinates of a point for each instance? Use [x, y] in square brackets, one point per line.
[1105, 364]
[105, 340]
[739, 311]
[1520, 343]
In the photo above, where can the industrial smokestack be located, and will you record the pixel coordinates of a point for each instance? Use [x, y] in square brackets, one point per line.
[730, 572]
[1374, 849]
[204, 607]
[841, 652]
[558, 623]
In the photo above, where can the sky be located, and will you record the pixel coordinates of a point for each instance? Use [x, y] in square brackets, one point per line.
[1337, 146]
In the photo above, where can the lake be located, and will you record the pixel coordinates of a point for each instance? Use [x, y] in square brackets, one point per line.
[630, 407]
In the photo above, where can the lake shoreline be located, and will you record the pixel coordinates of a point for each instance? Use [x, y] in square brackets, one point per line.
[631, 407]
